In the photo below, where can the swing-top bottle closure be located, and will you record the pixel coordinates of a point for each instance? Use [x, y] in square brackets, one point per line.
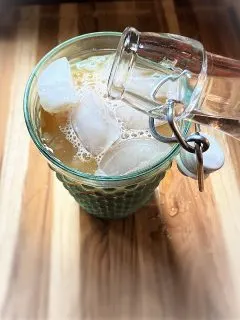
[177, 59]
[211, 82]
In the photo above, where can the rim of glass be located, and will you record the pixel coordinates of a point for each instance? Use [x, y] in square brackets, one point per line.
[50, 157]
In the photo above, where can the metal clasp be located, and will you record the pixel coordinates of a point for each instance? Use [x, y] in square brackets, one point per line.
[201, 144]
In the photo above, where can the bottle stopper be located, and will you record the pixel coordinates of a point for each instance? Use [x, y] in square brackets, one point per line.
[213, 159]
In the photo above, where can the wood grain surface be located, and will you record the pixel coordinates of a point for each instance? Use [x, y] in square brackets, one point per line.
[176, 258]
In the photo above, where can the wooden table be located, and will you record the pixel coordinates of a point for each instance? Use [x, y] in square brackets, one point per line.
[176, 258]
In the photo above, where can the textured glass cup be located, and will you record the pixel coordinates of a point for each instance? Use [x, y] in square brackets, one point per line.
[105, 197]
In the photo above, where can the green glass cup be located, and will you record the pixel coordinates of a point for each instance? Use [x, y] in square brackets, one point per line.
[104, 197]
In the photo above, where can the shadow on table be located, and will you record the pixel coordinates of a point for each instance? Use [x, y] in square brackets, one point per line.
[136, 269]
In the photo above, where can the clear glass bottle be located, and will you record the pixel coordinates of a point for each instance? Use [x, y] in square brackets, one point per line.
[150, 68]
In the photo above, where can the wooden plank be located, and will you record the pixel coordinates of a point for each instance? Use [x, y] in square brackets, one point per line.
[7, 49]
[170, 15]
[31, 260]
[87, 21]
[68, 21]
[64, 281]
[65, 236]
[16, 146]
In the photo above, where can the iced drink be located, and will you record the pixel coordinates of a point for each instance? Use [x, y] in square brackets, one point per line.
[101, 149]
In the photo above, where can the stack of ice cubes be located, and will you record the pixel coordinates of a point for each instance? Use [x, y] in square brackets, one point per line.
[95, 125]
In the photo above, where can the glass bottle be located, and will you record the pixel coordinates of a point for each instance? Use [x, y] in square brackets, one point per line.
[150, 69]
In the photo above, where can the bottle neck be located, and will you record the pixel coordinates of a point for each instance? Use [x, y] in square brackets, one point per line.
[216, 79]
[221, 95]
[123, 62]
[222, 66]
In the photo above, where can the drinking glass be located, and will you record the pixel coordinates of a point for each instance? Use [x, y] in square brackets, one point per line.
[104, 197]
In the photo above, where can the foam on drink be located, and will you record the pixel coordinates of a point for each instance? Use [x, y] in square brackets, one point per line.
[57, 130]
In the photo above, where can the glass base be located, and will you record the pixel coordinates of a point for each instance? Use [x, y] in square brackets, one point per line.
[112, 203]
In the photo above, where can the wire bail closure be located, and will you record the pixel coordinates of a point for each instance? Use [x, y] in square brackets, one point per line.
[201, 144]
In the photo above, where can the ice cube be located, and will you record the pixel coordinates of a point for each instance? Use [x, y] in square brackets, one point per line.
[144, 83]
[94, 124]
[100, 65]
[56, 88]
[131, 155]
[132, 118]
[172, 90]
[91, 63]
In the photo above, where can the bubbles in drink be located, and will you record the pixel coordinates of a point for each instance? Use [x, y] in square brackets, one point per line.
[96, 134]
